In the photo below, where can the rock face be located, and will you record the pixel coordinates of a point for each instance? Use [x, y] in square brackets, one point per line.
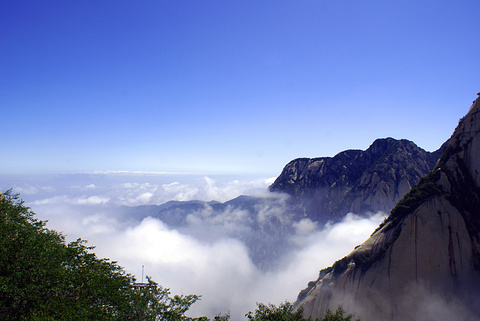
[423, 262]
[354, 180]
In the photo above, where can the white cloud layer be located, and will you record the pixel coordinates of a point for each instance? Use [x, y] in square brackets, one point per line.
[132, 188]
[220, 270]
[187, 260]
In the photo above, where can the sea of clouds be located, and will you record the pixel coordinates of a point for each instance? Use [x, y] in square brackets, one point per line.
[186, 260]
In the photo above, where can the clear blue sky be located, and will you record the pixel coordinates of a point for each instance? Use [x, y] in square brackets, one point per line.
[227, 86]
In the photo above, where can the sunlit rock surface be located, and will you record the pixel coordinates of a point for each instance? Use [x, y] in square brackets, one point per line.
[423, 263]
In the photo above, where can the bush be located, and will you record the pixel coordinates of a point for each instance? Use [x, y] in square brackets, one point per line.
[286, 312]
[270, 312]
[338, 316]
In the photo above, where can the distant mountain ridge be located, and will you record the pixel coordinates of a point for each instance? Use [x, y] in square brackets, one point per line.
[423, 262]
[319, 189]
[355, 181]
[263, 224]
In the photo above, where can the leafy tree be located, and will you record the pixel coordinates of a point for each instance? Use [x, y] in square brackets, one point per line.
[270, 312]
[30, 260]
[286, 312]
[338, 316]
[43, 278]
[155, 303]
[220, 317]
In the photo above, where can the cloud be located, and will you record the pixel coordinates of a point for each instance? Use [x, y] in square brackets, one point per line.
[28, 189]
[209, 254]
[64, 199]
[137, 188]
[207, 189]
[305, 226]
[60, 199]
[217, 268]
[91, 200]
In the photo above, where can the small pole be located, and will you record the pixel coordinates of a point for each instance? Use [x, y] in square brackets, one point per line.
[143, 268]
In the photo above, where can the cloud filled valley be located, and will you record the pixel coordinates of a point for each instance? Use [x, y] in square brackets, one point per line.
[194, 234]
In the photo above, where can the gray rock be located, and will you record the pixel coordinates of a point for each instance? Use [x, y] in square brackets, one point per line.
[423, 263]
[355, 181]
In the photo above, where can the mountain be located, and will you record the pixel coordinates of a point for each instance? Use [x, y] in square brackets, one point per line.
[263, 224]
[319, 190]
[355, 181]
[423, 262]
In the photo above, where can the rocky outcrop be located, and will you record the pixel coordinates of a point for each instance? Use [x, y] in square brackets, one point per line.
[423, 262]
[355, 181]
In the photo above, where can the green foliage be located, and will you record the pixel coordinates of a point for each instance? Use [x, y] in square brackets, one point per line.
[286, 312]
[425, 189]
[220, 317]
[338, 316]
[270, 312]
[43, 278]
[155, 303]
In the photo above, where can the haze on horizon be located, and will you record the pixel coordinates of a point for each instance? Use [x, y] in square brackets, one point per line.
[227, 87]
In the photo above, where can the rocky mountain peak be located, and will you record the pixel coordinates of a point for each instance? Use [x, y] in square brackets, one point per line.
[381, 145]
[354, 180]
[423, 262]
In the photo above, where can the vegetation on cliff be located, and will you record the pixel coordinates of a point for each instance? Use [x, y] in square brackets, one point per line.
[286, 312]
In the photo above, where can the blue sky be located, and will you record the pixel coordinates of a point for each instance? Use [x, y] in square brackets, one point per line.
[227, 86]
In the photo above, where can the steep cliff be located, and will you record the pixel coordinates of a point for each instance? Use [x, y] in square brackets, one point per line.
[423, 262]
[354, 180]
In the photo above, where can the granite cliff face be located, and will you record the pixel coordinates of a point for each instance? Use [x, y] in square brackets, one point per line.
[354, 180]
[423, 262]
